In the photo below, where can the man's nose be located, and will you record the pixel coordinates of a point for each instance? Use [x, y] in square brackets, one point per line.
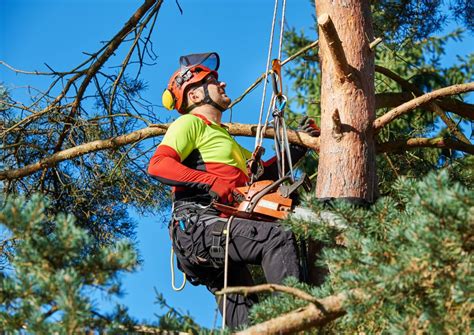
[222, 84]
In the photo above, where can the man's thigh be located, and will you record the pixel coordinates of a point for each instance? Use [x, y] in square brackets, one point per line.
[247, 239]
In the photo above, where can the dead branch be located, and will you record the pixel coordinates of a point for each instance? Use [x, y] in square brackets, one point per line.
[37, 73]
[97, 62]
[129, 26]
[250, 130]
[341, 67]
[236, 129]
[246, 290]
[129, 55]
[83, 149]
[433, 106]
[414, 103]
[413, 143]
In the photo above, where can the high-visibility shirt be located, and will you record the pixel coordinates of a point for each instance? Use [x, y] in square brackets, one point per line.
[194, 153]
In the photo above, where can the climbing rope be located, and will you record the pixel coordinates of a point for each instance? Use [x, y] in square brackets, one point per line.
[267, 68]
[262, 76]
[226, 267]
[173, 284]
[259, 137]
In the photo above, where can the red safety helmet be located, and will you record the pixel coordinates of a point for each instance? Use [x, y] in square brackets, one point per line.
[193, 69]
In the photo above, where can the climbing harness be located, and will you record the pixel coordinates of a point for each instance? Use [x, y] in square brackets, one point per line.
[185, 217]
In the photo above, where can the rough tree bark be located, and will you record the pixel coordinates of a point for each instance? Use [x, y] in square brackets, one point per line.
[347, 150]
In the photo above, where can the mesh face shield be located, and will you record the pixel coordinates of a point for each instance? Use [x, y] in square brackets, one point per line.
[209, 60]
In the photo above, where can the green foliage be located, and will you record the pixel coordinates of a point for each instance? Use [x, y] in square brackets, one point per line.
[50, 270]
[279, 304]
[174, 320]
[3, 98]
[411, 254]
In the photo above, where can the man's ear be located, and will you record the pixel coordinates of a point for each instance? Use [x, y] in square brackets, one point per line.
[194, 96]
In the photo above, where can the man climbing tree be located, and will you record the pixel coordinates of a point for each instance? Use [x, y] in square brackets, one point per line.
[410, 253]
[200, 159]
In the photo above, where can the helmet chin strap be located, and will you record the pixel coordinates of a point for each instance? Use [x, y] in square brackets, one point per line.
[206, 101]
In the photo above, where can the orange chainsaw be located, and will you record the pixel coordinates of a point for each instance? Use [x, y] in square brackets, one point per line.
[265, 200]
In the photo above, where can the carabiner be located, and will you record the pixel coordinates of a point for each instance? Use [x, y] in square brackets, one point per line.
[276, 75]
[280, 102]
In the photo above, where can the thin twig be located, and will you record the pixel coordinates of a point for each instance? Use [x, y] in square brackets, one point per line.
[246, 290]
[259, 79]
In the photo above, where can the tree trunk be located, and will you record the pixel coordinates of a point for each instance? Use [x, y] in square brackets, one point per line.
[347, 149]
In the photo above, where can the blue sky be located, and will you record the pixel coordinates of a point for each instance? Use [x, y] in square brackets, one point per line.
[56, 32]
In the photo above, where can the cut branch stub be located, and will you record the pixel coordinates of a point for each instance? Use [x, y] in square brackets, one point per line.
[337, 126]
[374, 43]
[341, 66]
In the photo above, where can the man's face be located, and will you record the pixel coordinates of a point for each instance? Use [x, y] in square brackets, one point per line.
[217, 91]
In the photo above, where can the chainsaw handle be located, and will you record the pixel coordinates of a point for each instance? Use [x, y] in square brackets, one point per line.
[257, 196]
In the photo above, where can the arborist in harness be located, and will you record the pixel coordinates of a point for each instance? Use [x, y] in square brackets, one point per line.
[203, 163]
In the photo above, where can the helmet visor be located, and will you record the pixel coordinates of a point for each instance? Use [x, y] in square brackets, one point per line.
[209, 60]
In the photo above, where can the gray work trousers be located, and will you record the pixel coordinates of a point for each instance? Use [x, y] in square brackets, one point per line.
[251, 242]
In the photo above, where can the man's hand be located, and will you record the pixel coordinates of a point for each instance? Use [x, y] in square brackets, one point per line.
[221, 191]
[308, 126]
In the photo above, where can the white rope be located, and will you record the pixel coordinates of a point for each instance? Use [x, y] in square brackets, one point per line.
[286, 145]
[261, 129]
[258, 135]
[282, 25]
[226, 266]
[177, 289]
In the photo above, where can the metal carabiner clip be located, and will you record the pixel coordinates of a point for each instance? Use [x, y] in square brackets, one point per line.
[280, 102]
[276, 76]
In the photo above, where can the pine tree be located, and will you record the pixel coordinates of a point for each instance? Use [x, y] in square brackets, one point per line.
[49, 271]
[409, 257]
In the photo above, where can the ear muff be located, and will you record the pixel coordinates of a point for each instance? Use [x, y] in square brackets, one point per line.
[168, 100]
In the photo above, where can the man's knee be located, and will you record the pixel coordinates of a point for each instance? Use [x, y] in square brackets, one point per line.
[282, 235]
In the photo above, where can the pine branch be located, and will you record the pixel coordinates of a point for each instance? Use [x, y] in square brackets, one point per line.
[414, 103]
[316, 314]
[236, 129]
[447, 103]
[303, 318]
[394, 99]
[246, 290]
[434, 107]
[437, 142]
